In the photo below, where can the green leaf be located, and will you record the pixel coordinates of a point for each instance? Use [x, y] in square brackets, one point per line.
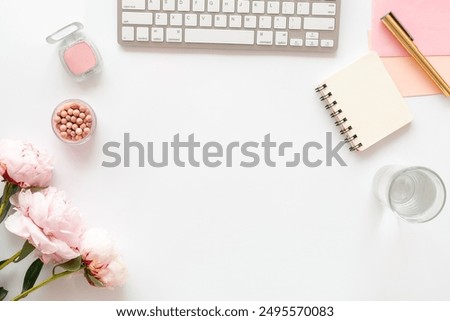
[3, 293]
[71, 266]
[26, 249]
[1, 262]
[32, 274]
[92, 280]
[5, 204]
[4, 208]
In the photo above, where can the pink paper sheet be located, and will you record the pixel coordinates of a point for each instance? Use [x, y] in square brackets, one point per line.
[411, 80]
[427, 21]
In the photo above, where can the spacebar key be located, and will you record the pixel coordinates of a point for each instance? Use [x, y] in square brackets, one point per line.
[236, 37]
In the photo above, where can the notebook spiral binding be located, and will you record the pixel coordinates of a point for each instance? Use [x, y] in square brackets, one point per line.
[338, 115]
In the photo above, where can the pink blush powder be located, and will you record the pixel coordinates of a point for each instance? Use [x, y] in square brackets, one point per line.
[80, 58]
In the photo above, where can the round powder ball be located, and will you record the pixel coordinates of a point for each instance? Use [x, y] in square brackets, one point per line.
[73, 121]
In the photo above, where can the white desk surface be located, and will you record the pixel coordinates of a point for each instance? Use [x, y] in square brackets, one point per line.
[222, 233]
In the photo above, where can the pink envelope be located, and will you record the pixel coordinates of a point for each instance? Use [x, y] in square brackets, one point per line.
[427, 21]
[411, 80]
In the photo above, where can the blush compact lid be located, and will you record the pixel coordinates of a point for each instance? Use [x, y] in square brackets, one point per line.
[78, 55]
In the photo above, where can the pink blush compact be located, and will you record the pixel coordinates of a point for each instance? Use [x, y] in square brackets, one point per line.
[80, 58]
[78, 55]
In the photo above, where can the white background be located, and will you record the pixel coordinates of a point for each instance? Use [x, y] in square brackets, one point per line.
[222, 233]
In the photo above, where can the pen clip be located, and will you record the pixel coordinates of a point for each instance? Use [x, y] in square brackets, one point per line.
[391, 14]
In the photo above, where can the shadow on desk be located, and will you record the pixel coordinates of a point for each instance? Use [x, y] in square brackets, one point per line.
[227, 52]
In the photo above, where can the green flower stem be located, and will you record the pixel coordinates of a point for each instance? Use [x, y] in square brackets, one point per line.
[5, 205]
[10, 260]
[43, 283]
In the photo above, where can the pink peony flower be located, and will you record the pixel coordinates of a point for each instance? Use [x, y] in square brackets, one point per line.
[22, 164]
[104, 267]
[48, 222]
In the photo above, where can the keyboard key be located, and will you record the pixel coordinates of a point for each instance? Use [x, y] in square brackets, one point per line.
[154, 5]
[161, 19]
[236, 21]
[288, 8]
[128, 33]
[133, 4]
[176, 19]
[303, 8]
[243, 6]
[220, 20]
[213, 5]
[250, 22]
[296, 42]
[168, 5]
[280, 23]
[311, 43]
[265, 22]
[137, 18]
[264, 38]
[273, 7]
[174, 34]
[242, 37]
[205, 20]
[228, 6]
[312, 35]
[142, 34]
[295, 23]
[157, 34]
[326, 43]
[324, 9]
[190, 20]
[281, 38]
[198, 6]
[310, 23]
[258, 7]
[184, 5]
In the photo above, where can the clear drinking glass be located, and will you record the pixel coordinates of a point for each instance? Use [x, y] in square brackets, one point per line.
[417, 194]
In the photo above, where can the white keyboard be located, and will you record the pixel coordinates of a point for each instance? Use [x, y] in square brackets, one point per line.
[291, 25]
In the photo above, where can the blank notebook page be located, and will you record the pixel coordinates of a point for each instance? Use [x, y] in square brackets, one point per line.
[369, 100]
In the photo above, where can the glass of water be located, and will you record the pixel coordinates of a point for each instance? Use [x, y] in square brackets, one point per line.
[416, 194]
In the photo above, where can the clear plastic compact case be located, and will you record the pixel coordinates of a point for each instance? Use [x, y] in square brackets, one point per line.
[78, 55]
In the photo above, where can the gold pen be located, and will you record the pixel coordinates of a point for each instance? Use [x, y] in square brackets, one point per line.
[395, 27]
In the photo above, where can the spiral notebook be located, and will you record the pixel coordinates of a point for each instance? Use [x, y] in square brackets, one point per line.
[364, 102]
